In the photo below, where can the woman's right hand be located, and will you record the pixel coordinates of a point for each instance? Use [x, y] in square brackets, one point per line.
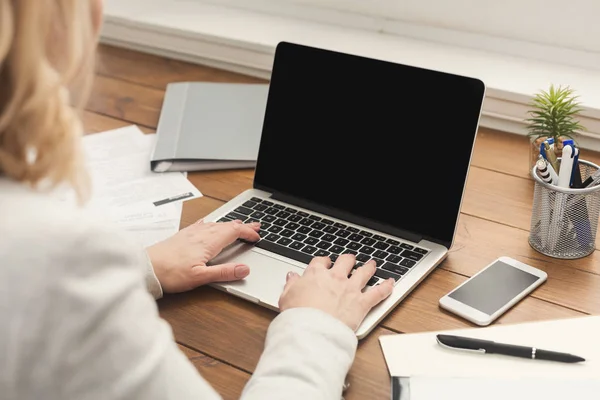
[327, 287]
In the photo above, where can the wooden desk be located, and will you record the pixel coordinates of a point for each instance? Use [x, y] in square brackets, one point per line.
[223, 335]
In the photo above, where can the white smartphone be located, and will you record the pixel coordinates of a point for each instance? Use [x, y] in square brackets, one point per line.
[492, 291]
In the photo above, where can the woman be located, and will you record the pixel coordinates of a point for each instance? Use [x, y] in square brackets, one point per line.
[78, 318]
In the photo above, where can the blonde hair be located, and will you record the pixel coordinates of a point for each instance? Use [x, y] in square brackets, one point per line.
[46, 66]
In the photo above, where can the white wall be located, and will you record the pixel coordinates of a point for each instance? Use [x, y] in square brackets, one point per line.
[572, 24]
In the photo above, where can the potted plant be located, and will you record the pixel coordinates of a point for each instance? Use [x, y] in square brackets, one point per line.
[554, 114]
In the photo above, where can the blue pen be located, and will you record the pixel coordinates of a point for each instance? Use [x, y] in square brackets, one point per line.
[550, 142]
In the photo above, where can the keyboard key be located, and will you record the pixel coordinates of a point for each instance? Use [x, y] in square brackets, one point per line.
[379, 262]
[368, 241]
[362, 257]
[323, 245]
[394, 268]
[365, 233]
[380, 254]
[269, 218]
[411, 255]
[292, 225]
[271, 210]
[379, 238]
[321, 253]
[234, 215]
[311, 240]
[394, 259]
[329, 237]
[354, 246]
[273, 237]
[333, 257]
[349, 251]
[284, 241]
[384, 274]
[275, 229]
[286, 233]
[305, 221]
[318, 225]
[258, 214]
[393, 242]
[336, 249]
[406, 246]
[341, 242]
[304, 229]
[367, 250]
[296, 245]
[330, 229]
[408, 263]
[280, 222]
[249, 204]
[355, 237]
[314, 217]
[309, 250]
[285, 251]
[267, 203]
[316, 234]
[352, 229]
[294, 218]
[260, 207]
[283, 214]
[302, 214]
[256, 199]
[279, 206]
[327, 221]
[290, 210]
[299, 236]
[394, 250]
[250, 220]
[225, 219]
[343, 234]
[381, 245]
[373, 281]
[420, 250]
[339, 226]
[244, 210]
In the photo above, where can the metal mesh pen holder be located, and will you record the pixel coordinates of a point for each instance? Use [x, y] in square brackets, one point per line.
[564, 221]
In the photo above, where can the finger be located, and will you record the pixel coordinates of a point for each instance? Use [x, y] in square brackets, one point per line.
[231, 231]
[221, 273]
[290, 278]
[378, 293]
[319, 263]
[361, 276]
[344, 264]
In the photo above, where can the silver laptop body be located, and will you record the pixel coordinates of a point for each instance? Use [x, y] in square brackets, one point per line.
[302, 224]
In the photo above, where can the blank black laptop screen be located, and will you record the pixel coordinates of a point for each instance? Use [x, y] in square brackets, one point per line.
[381, 141]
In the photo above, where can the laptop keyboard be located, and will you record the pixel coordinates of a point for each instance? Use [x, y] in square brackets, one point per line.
[301, 236]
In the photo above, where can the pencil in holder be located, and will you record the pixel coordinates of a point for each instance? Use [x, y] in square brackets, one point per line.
[564, 221]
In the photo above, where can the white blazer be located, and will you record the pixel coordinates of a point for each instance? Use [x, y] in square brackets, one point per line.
[79, 322]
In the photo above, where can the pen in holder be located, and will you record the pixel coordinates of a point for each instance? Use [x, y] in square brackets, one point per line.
[564, 221]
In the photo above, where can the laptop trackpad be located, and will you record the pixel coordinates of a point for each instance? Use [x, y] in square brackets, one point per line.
[267, 274]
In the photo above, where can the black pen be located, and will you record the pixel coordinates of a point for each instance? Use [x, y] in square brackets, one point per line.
[490, 347]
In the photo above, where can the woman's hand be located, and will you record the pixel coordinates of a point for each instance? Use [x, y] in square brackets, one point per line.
[329, 289]
[180, 261]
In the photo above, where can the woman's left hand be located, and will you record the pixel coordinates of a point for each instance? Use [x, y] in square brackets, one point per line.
[180, 261]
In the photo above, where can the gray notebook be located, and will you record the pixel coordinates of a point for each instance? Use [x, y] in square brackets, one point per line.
[209, 126]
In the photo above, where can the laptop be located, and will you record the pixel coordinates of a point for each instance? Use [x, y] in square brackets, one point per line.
[357, 155]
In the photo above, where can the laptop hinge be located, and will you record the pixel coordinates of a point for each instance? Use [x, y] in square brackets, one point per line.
[346, 216]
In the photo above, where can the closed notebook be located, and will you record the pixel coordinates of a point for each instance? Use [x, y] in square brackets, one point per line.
[209, 126]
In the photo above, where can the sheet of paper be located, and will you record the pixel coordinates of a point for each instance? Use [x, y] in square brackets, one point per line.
[420, 354]
[429, 388]
[145, 204]
[119, 165]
